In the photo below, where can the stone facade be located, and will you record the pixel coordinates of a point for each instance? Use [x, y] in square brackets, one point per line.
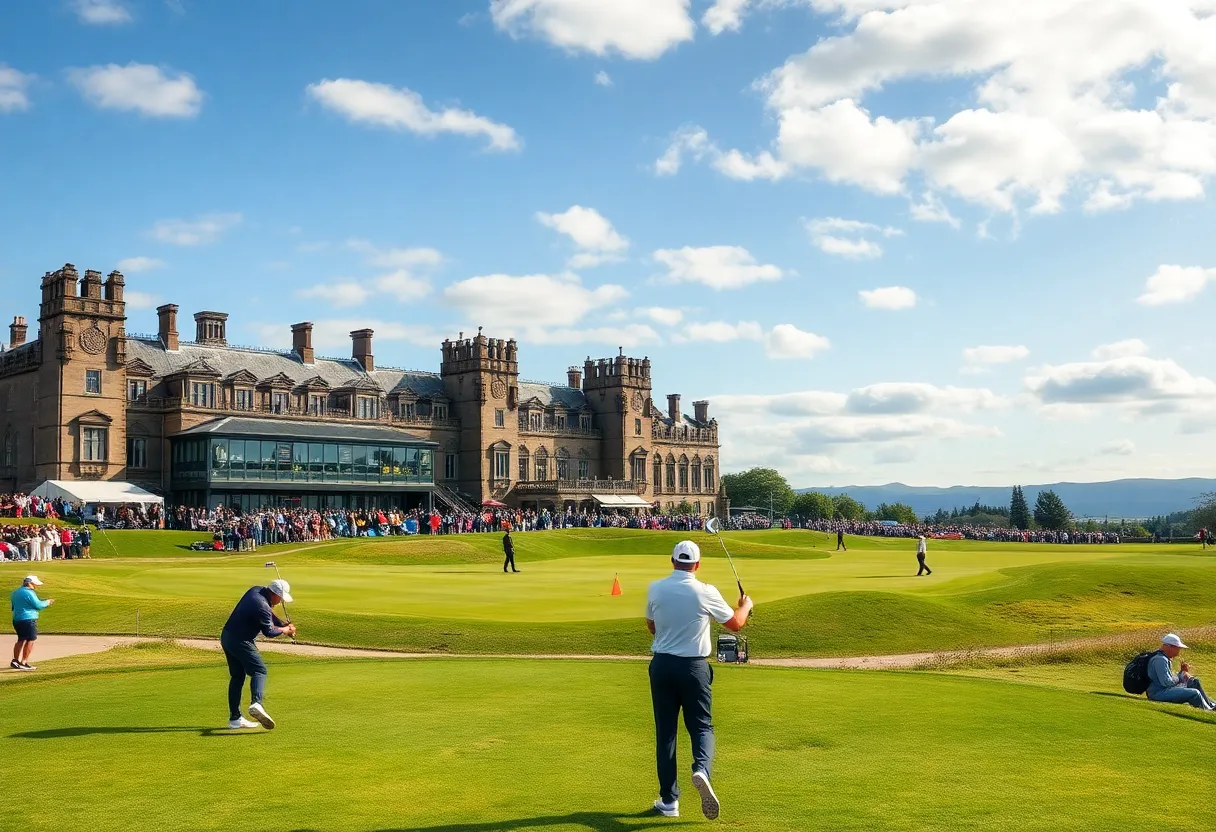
[87, 400]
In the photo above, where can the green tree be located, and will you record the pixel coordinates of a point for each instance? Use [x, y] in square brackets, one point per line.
[684, 507]
[899, 512]
[754, 487]
[847, 508]
[1019, 512]
[1050, 512]
[814, 506]
[1204, 515]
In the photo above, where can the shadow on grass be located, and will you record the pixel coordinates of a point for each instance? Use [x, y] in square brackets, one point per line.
[595, 821]
[872, 577]
[60, 733]
[1184, 711]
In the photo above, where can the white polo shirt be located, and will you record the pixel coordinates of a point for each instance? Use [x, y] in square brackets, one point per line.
[680, 607]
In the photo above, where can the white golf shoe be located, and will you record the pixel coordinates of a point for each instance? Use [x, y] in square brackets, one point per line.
[241, 723]
[259, 713]
[667, 810]
[709, 801]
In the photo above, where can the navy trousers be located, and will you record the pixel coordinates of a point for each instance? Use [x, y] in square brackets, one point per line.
[676, 684]
[243, 660]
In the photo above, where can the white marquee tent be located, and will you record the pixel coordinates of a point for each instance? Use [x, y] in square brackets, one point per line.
[97, 492]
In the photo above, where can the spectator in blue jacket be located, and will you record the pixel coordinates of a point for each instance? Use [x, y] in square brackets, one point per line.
[1179, 688]
[27, 606]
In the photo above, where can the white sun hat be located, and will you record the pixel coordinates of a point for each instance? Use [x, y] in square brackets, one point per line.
[32, 579]
[1172, 640]
[282, 589]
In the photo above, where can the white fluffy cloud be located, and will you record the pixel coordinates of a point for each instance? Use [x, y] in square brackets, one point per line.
[399, 108]
[786, 341]
[1175, 284]
[1120, 349]
[141, 300]
[593, 236]
[889, 297]
[341, 294]
[932, 209]
[720, 332]
[1120, 447]
[141, 88]
[893, 398]
[663, 315]
[603, 79]
[636, 29]
[395, 258]
[135, 265]
[206, 228]
[725, 16]
[101, 12]
[979, 359]
[848, 238]
[718, 267]
[532, 302]
[1061, 103]
[13, 86]
[1142, 383]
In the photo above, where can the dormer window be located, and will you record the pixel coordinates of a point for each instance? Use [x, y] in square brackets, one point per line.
[244, 399]
[560, 419]
[584, 421]
[367, 407]
[441, 411]
[408, 411]
[202, 394]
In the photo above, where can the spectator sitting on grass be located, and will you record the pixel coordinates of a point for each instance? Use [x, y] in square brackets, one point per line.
[1181, 688]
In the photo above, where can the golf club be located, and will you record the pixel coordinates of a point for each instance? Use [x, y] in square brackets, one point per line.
[286, 614]
[715, 528]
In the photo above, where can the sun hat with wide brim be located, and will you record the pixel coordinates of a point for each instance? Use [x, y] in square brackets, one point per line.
[282, 589]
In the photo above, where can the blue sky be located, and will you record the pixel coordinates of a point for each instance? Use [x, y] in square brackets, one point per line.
[934, 241]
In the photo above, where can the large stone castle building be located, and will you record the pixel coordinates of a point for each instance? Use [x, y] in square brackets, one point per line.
[206, 422]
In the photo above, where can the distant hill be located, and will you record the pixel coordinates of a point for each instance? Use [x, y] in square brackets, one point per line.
[1117, 498]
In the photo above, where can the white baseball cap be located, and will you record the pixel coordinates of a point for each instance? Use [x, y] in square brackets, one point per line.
[1172, 640]
[686, 552]
[282, 589]
[32, 579]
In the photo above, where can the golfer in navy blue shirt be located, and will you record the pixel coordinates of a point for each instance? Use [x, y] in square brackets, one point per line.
[253, 615]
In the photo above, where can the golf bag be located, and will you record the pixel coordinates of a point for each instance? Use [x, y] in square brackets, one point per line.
[732, 649]
[1135, 674]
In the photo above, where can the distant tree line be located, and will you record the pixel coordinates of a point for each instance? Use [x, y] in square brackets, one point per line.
[765, 489]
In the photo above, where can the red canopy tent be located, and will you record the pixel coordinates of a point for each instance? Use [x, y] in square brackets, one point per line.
[492, 504]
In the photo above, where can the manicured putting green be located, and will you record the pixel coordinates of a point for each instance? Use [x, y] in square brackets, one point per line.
[470, 745]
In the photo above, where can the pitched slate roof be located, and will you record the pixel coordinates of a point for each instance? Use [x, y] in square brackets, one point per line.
[266, 364]
[551, 394]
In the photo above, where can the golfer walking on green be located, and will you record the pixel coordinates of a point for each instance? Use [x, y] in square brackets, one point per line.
[678, 609]
[253, 614]
[26, 607]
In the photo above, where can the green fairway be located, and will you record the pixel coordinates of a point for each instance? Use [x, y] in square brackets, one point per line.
[464, 745]
[448, 594]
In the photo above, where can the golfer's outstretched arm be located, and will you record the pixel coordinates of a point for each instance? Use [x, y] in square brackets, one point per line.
[735, 622]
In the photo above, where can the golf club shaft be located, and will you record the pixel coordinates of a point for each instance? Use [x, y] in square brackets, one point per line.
[286, 614]
[731, 561]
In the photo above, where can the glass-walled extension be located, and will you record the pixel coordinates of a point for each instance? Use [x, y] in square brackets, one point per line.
[331, 466]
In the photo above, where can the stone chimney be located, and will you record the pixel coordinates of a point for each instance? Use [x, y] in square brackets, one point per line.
[114, 286]
[17, 331]
[211, 328]
[90, 284]
[574, 378]
[301, 341]
[361, 349]
[673, 407]
[701, 411]
[168, 325]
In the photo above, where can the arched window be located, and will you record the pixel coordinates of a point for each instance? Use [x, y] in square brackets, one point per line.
[563, 464]
[542, 465]
[709, 474]
[683, 472]
[696, 473]
[658, 471]
[525, 462]
[671, 472]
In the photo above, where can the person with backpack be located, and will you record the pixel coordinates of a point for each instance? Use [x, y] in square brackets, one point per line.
[1178, 688]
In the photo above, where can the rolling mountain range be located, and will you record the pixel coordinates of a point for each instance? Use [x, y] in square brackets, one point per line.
[1117, 498]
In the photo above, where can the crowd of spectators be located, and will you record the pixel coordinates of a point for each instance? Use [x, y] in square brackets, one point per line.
[26, 506]
[236, 531]
[877, 528]
[44, 541]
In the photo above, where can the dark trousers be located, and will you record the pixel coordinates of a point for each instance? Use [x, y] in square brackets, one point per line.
[924, 569]
[678, 683]
[840, 544]
[510, 561]
[243, 660]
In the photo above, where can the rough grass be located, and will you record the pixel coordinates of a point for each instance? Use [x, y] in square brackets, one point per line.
[565, 746]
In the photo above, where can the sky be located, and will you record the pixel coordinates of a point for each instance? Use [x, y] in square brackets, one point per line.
[929, 241]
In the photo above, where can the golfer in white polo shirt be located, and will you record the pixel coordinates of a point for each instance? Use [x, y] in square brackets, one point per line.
[678, 609]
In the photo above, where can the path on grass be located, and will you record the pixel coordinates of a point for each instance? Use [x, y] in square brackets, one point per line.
[58, 647]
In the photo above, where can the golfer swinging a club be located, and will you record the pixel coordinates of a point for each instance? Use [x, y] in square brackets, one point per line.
[253, 614]
[678, 610]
